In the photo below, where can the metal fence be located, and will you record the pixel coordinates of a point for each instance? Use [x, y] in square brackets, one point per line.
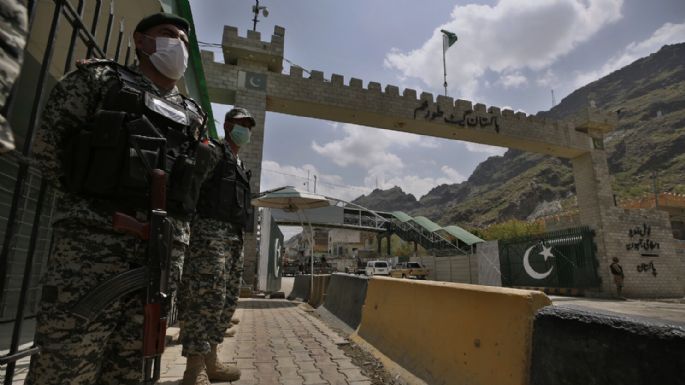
[25, 220]
[560, 259]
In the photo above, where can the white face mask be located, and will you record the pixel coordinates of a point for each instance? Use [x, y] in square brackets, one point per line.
[170, 57]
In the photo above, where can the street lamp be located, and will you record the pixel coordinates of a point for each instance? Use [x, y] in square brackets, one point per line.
[293, 200]
[255, 10]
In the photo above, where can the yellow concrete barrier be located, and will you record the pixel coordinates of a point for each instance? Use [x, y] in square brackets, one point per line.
[451, 333]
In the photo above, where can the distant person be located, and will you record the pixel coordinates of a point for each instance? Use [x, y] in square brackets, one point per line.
[617, 272]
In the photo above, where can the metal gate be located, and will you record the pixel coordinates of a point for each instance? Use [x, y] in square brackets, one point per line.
[26, 220]
[560, 259]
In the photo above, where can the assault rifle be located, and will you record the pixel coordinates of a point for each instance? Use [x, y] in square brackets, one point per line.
[153, 278]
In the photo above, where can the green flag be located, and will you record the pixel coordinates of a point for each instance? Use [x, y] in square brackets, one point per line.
[451, 37]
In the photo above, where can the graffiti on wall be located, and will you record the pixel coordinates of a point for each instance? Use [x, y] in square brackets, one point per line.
[469, 118]
[646, 267]
[640, 241]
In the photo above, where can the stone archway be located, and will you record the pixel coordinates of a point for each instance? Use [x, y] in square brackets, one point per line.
[251, 77]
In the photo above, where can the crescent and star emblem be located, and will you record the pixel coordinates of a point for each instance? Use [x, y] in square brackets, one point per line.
[255, 82]
[546, 253]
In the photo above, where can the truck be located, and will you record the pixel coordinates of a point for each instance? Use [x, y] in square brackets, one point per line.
[412, 270]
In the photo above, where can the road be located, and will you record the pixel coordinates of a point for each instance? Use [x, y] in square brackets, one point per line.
[666, 312]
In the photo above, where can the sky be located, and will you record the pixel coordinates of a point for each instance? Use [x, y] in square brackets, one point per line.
[509, 53]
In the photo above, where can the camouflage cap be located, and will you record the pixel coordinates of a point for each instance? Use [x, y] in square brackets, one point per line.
[162, 18]
[238, 113]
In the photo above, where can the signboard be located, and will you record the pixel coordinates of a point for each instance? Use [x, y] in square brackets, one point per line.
[271, 253]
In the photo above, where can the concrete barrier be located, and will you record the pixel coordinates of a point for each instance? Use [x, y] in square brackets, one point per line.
[451, 333]
[578, 347]
[345, 297]
[301, 288]
[321, 282]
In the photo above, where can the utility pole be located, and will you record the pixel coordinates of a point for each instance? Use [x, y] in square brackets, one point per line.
[314, 183]
[554, 101]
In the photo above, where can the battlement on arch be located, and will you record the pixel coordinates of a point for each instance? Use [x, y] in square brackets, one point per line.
[370, 103]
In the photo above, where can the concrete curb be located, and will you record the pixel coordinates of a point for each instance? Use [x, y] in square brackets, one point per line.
[579, 347]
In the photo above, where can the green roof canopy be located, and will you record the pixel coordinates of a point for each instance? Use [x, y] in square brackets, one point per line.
[427, 224]
[401, 216]
[462, 235]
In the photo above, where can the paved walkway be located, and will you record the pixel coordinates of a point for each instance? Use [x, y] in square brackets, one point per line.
[278, 342]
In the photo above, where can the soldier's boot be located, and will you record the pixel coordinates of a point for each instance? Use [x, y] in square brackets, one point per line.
[196, 372]
[218, 371]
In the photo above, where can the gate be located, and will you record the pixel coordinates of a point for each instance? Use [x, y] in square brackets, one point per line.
[560, 259]
[26, 220]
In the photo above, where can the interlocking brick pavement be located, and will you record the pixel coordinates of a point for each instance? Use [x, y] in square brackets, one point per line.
[277, 342]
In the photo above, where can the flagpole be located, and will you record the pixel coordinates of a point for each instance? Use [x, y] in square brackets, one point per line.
[444, 65]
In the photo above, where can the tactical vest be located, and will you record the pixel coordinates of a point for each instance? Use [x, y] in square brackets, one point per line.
[225, 196]
[133, 132]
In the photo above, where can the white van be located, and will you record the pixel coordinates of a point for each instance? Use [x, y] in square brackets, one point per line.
[377, 268]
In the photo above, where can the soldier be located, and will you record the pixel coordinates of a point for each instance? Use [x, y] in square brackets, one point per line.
[222, 212]
[13, 31]
[102, 128]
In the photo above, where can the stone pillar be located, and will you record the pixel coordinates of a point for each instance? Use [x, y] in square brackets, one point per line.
[595, 197]
[256, 59]
[251, 155]
[642, 240]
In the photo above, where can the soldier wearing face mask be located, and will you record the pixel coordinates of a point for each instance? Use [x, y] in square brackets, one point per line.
[211, 276]
[102, 130]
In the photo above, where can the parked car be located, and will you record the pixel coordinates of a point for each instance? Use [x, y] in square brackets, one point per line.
[409, 270]
[377, 268]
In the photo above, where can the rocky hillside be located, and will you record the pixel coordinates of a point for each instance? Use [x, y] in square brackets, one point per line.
[648, 95]
[389, 200]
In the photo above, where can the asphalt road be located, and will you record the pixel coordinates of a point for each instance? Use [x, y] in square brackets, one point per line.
[671, 312]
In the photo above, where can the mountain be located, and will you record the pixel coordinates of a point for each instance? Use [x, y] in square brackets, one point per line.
[388, 200]
[649, 98]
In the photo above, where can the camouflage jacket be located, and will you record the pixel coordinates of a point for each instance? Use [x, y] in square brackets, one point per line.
[72, 104]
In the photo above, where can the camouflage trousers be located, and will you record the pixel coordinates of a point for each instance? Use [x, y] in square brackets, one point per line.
[106, 350]
[234, 267]
[203, 288]
[13, 30]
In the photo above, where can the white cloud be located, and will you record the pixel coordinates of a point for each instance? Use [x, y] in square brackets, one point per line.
[277, 175]
[369, 148]
[511, 35]
[667, 34]
[546, 79]
[512, 80]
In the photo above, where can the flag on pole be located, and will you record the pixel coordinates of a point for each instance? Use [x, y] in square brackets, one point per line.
[451, 37]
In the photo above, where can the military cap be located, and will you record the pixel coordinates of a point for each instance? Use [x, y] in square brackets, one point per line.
[162, 18]
[239, 113]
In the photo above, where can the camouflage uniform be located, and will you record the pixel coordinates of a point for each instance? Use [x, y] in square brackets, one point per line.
[13, 30]
[85, 252]
[211, 280]
[234, 269]
[204, 283]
